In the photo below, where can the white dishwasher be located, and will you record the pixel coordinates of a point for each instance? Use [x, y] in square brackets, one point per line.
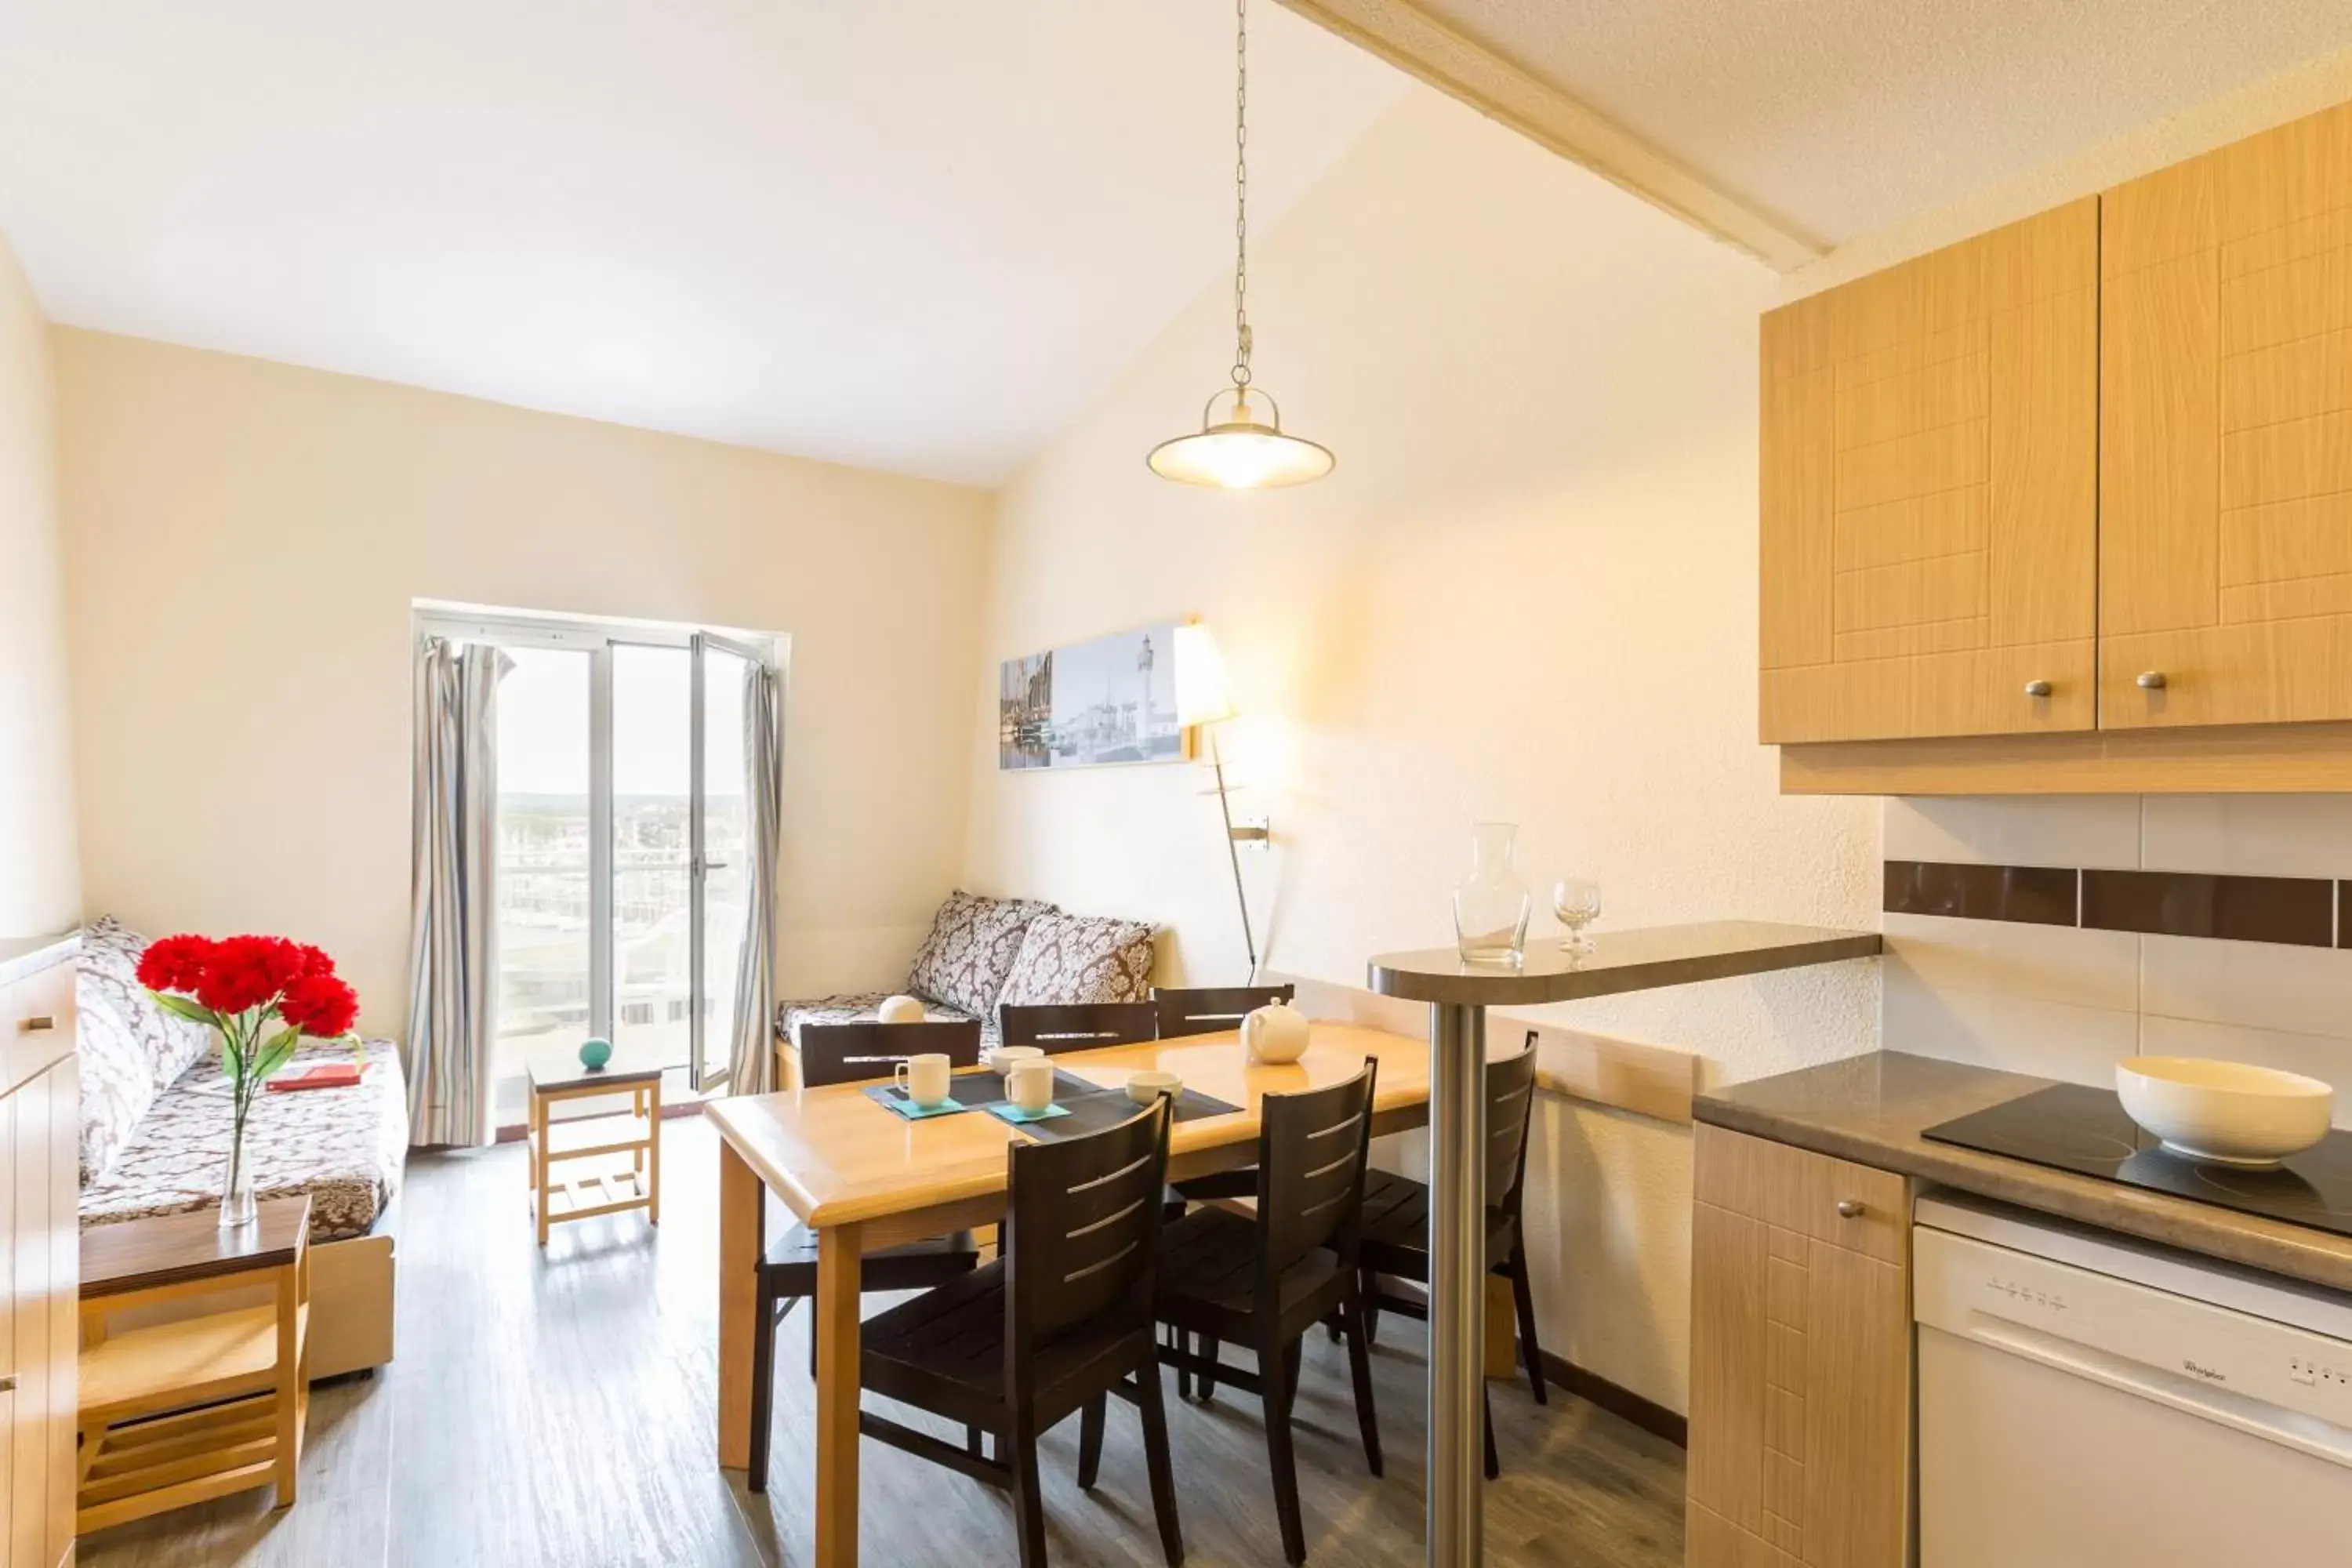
[2087, 1399]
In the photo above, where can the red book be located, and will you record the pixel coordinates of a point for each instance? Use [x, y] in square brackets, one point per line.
[326, 1075]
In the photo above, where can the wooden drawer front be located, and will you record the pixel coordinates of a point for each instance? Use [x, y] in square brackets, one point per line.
[2225, 542]
[1929, 493]
[37, 1023]
[1797, 1190]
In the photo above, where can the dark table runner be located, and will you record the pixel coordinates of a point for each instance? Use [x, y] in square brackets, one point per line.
[1091, 1107]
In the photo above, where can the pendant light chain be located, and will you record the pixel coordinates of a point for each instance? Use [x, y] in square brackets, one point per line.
[1241, 446]
[1241, 195]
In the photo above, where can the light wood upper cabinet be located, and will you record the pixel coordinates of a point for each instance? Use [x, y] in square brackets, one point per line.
[1930, 493]
[2226, 414]
[1800, 1360]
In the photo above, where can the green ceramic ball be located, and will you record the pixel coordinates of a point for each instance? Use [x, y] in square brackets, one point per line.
[596, 1053]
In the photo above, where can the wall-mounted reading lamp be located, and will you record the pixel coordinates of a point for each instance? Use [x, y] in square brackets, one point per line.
[1203, 699]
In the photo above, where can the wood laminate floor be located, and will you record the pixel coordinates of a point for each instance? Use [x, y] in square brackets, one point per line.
[558, 1409]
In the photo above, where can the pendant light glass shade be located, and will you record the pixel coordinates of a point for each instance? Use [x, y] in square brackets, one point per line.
[1242, 453]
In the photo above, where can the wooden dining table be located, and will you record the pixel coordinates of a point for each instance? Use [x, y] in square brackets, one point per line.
[863, 1179]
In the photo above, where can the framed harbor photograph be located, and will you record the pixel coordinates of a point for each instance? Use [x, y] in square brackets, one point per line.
[1092, 704]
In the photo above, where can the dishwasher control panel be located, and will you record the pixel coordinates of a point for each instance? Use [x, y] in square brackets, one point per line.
[2251, 1371]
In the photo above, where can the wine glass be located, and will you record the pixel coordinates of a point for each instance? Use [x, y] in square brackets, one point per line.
[1577, 901]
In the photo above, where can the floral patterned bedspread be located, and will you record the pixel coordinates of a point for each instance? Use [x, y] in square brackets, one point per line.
[860, 1007]
[342, 1146]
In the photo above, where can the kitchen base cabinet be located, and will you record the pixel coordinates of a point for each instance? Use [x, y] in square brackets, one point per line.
[1800, 1360]
[40, 1268]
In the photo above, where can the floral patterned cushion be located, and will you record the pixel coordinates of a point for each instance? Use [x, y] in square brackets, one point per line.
[971, 950]
[861, 1007]
[342, 1146]
[130, 1049]
[1081, 958]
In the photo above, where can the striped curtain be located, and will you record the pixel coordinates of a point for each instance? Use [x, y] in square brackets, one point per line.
[752, 1061]
[453, 900]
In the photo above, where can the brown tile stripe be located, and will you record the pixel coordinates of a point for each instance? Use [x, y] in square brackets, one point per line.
[2036, 895]
[2300, 910]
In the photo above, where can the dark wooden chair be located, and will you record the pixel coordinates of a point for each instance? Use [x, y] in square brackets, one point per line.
[846, 1053]
[1264, 1282]
[1396, 1223]
[1060, 1322]
[1057, 1027]
[849, 1053]
[1204, 1010]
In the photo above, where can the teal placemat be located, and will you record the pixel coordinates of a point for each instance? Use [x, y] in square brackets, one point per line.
[892, 1097]
[1005, 1110]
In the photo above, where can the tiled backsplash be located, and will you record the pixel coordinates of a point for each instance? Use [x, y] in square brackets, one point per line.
[2055, 955]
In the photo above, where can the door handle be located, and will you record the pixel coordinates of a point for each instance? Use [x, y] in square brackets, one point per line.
[7, 1382]
[35, 1026]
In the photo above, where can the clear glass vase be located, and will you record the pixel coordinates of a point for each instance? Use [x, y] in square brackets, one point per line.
[236, 1205]
[1491, 904]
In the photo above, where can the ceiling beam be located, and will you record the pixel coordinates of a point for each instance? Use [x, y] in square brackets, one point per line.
[1417, 42]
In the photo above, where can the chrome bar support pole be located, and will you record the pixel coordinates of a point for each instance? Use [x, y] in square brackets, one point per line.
[1457, 1268]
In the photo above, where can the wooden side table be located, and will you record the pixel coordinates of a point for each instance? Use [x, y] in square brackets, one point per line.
[179, 1413]
[636, 1133]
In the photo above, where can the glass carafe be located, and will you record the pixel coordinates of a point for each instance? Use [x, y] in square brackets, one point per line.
[1491, 904]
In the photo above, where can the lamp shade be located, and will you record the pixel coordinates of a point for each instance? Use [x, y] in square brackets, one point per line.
[1200, 694]
[1242, 452]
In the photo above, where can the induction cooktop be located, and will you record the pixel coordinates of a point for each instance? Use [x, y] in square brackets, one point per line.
[2071, 1127]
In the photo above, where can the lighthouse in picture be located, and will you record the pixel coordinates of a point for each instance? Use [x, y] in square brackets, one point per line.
[1143, 713]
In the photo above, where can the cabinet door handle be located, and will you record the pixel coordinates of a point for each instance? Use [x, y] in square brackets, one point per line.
[2037, 688]
[35, 1026]
[1849, 1208]
[2150, 680]
[7, 1382]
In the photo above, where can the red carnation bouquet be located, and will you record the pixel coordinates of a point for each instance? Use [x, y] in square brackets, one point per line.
[262, 994]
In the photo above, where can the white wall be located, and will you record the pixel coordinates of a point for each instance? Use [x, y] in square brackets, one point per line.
[2306, 88]
[244, 542]
[2070, 1003]
[1529, 592]
[39, 887]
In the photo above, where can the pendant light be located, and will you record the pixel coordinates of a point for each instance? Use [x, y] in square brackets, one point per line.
[1243, 450]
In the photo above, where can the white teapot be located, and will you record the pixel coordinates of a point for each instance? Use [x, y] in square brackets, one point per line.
[1274, 1034]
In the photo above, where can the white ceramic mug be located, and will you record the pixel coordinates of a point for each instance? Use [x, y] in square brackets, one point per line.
[1143, 1087]
[925, 1079]
[1276, 1034]
[1029, 1084]
[1003, 1057]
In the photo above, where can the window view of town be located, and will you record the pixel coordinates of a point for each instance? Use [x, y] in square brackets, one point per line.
[545, 867]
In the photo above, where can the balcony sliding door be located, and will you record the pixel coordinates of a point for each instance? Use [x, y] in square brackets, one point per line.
[622, 882]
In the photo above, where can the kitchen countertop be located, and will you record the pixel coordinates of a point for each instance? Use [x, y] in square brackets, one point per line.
[24, 955]
[1639, 960]
[1871, 1109]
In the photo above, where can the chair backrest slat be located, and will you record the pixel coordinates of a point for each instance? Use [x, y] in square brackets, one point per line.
[1082, 1229]
[1510, 1103]
[1310, 1186]
[852, 1053]
[1057, 1027]
[1204, 1010]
